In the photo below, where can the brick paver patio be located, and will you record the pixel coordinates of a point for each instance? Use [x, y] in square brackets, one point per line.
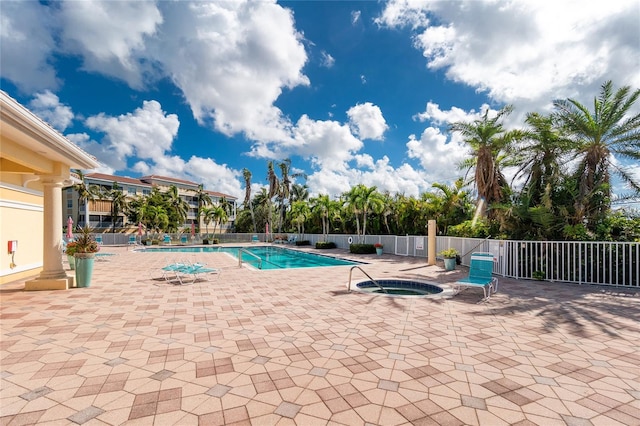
[293, 347]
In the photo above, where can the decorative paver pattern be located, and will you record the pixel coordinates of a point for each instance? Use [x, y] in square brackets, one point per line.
[293, 347]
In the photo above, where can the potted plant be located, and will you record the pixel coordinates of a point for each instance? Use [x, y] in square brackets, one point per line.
[86, 248]
[378, 247]
[70, 251]
[449, 256]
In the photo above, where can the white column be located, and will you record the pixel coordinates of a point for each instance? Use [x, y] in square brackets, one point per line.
[53, 275]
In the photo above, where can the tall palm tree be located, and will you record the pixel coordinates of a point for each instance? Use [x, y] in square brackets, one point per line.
[488, 141]
[178, 208]
[118, 201]
[219, 216]
[203, 199]
[274, 185]
[299, 192]
[599, 135]
[299, 213]
[246, 174]
[539, 160]
[321, 206]
[156, 218]
[362, 200]
[86, 193]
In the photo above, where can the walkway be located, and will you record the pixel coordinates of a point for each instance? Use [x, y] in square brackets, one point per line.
[292, 347]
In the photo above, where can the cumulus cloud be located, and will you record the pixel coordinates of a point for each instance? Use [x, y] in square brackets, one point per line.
[328, 144]
[110, 36]
[367, 122]
[27, 27]
[231, 60]
[47, 106]
[526, 51]
[381, 174]
[147, 133]
[241, 56]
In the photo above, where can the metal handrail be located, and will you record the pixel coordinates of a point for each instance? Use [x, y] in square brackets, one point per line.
[369, 276]
[241, 250]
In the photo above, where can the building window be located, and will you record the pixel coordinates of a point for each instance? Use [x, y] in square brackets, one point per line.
[146, 192]
[69, 204]
[131, 191]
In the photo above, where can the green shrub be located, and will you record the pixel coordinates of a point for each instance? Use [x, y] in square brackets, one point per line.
[303, 243]
[362, 248]
[325, 245]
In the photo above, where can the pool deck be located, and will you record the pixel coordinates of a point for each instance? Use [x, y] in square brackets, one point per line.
[292, 347]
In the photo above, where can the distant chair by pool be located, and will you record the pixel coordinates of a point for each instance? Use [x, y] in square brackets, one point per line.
[184, 239]
[99, 239]
[254, 239]
[167, 239]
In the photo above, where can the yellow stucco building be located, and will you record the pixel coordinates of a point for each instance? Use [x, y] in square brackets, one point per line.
[35, 163]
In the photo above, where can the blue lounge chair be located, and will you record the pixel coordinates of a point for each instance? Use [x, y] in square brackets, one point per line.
[167, 239]
[480, 275]
[254, 239]
[183, 239]
[193, 270]
[99, 239]
[132, 240]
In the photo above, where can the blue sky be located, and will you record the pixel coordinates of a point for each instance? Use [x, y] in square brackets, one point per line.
[351, 92]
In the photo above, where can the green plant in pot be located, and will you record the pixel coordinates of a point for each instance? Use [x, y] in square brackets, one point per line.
[70, 251]
[86, 248]
[449, 256]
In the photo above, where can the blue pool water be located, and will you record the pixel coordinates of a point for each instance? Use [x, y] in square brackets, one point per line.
[268, 257]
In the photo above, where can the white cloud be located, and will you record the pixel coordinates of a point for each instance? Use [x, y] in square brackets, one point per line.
[147, 133]
[26, 37]
[110, 36]
[367, 122]
[241, 55]
[327, 60]
[355, 16]
[438, 156]
[328, 144]
[404, 179]
[526, 52]
[231, 60]
[47, 106]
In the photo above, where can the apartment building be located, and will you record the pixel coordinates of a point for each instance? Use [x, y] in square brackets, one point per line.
[97, 213]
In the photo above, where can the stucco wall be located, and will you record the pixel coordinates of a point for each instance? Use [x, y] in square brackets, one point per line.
[21, 219]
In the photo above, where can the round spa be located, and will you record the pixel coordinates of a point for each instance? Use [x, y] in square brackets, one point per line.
[398, 287]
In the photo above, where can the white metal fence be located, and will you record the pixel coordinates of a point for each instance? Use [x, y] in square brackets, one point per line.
[583, 262]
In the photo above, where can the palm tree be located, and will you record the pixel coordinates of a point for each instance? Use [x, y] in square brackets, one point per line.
[451, 204]
[247, 196]
[599, 135]
[156, 218]
[299, 192]
[219, 216]
[178, 208]
[86, 193]
[274, 185]
[203, 199]
[207, 217]
[299, 213]
[118, 202]
[540, 160]
[488, 141]
[361, 200]
[322, 207]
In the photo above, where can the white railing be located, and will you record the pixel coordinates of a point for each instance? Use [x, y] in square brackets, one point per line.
[582, 262]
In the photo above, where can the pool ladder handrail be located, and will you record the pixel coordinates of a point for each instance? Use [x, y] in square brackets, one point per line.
[241, 250]
[369, 276]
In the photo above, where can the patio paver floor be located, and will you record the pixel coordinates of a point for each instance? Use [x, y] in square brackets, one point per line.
[293, 347]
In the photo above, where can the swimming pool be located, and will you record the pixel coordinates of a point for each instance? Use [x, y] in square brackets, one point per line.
[267, 257]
